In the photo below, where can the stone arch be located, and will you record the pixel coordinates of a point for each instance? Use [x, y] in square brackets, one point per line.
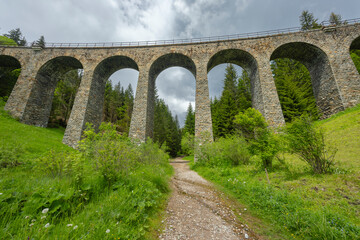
[326, 91]
[171, 60]
[245, 60]
[101, 74]
[112, 64]
[355, 46]
[38, 108]
[159, 65]
[7, 77]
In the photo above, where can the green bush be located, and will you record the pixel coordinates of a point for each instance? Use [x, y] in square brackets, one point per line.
[114, 155]
[10, 155]
[110, 183]
[262, 140]
[309, 144]
[230, 151]
[187, 144]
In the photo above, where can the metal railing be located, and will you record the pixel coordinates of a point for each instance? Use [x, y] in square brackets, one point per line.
[324, 25]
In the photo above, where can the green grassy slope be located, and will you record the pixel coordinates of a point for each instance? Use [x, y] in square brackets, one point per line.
[298, 203]
[33, 141]
[7, 41]
[81, 202]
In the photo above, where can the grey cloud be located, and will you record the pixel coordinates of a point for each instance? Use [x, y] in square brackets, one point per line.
[132, 20]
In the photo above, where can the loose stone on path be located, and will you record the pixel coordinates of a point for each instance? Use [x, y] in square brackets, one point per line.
[196, 210]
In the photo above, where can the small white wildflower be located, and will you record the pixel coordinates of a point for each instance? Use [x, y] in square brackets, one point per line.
[34, 220]
[108, 230]
[1, 193]
[75, 227]
[245, 209]
[31, 225]
[45, 210]
[26, 217]
[47, 225]
[117, 223]
[69, 225]
[43, 217]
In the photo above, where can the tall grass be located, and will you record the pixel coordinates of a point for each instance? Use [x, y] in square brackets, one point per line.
[109, 189]
[293, 199]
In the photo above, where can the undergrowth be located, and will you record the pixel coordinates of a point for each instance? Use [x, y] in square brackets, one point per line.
[291, 196]
[110, 188]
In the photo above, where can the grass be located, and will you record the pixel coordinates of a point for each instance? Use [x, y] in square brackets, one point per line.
[298, 203]
[83, 201]
[33, 141]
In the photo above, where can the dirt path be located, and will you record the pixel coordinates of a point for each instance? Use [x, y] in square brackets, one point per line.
[196, 210]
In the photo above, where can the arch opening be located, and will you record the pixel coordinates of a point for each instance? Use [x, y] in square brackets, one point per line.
[355, 53]
[171, 90]
[40, 102]
[323, 84]
[10, 69]
[232, 75]
[119, 98]
[112, 100]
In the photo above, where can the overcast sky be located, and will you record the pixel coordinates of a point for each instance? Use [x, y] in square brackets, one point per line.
[136, 20]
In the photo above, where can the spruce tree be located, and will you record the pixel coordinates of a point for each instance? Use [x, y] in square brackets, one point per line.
[293, 83]
[243, 92]
[308, 21]
[189, 126]
[224, 111]
[16, 35]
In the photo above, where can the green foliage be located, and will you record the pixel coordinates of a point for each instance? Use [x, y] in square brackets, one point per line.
[16, 35]
[355, 56]
[32, 142]
[293, 84]
[335, 19]
[235, 97]
[166, 128]
[284, 210]
[296, 202]
[10, 155]
[39, 43]
[7, 41]
[64, 97]
[187, 143]
[309, 144]
[118, 106]
[189, 126]
[262, 140]
[308, 21]
[250, 123]
[41, 198]
[8, 78]
[243, 95]
[230, 151]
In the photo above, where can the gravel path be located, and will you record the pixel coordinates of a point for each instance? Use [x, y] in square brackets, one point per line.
[196, 210]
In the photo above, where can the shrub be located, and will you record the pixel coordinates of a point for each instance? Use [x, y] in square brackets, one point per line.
[187, 144]
[309, 144]
[10, 155]
[225, 151]
[61, 164]
[262, 140]
[114, 155]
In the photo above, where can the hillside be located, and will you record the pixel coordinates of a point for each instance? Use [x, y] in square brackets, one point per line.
[50, 191]
[294, 202]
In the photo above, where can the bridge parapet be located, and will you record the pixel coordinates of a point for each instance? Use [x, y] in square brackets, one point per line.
[325, 53]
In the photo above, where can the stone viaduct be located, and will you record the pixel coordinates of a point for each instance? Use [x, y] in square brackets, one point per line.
[325, 52]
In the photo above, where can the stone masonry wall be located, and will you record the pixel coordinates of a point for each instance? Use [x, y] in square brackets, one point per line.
[336, 81]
